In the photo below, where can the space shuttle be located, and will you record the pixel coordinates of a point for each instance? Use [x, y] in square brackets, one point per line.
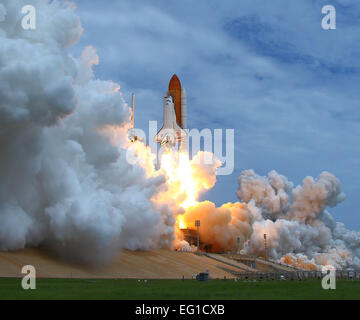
[175, 116]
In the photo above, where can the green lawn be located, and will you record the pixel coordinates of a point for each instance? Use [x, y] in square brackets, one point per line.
[176, 289]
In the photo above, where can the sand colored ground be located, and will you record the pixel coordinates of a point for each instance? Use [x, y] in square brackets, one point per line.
[158, 264]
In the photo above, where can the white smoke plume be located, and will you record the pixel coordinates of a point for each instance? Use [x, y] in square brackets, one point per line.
[270, 193]
[300, 230]
[311, 199]
[65, 184]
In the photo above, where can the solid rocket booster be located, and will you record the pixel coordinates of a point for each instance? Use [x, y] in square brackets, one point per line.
[183, 109]
[184, 143]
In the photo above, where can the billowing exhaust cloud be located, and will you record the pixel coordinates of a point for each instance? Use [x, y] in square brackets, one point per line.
[65, 184]
[299, 228]
[271, 193]
[222, 226]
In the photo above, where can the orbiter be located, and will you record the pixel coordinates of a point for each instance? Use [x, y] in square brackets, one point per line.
[175, 116]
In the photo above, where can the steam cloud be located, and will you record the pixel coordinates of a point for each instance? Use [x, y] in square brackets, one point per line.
[66, 184]
[302, 226]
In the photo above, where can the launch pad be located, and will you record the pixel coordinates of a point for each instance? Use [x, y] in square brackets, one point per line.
[190, 236]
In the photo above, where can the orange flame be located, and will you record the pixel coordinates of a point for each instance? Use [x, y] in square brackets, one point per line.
[298, 262]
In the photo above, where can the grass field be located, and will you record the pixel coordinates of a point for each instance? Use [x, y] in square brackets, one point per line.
[10, 288]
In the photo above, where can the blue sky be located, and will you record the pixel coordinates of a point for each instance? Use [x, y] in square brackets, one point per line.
[265, 68]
